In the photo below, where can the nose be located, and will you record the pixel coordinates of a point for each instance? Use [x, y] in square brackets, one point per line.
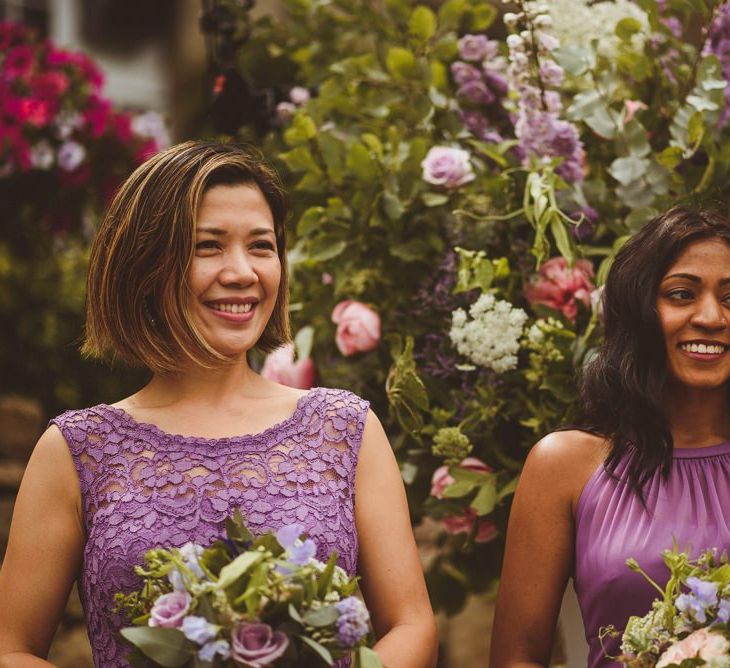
[237, 270]
[709, 314]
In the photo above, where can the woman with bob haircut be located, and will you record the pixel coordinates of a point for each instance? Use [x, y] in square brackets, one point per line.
[188, 273]
[651, 461]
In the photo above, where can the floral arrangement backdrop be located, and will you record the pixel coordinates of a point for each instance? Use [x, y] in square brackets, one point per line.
[63, 151]
[462, 174]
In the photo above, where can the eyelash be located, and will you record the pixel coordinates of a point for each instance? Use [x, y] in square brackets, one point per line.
[674, 295]
[259, 245]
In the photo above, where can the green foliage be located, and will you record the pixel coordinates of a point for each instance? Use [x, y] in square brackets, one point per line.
[368, 221]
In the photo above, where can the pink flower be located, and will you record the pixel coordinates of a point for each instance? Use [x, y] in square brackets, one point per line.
[97, 114]
[486, 530]
[49, 85]
[632, 106]
[447, 166]
[18, 62]
[358, 327]
[169, 610]
[299, 95]
[477, 47]
[560, 287]
[257, 645]
[280, 367]
[464, 523]
[702, 644]
[36, 111]
[442, 478]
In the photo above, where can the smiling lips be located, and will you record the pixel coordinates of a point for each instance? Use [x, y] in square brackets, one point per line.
[234, 310]
[703, 350]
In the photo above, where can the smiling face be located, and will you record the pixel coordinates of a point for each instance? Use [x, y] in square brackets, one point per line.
[235, 273]
[693, 304]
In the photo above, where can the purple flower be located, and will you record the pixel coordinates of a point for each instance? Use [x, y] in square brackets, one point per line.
[302, 553]
[496, 82]
[476, 92]
[352, 624]
[209, 650]
[190, 553]
[463, 73]
[587, 218]
[723, 611]
[447, 166]
[476, 47]
[71, 155]
[198, 629]
[257, 645]
[693, 608]
[706, 592]
[551, 73]
[288, 535]
[170, 609]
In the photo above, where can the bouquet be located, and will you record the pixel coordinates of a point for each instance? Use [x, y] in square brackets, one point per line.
[257, 602]
[689, 625]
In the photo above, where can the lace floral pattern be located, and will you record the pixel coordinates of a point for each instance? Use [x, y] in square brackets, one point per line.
[142, 487]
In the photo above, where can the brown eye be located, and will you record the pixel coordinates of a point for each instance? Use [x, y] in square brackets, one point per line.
[681, 294]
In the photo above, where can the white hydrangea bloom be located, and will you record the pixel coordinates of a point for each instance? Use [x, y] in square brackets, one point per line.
[577, 22]
[490, 336]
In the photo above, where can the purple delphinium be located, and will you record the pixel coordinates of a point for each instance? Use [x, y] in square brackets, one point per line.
[199, 629]
[723, 611]
[298, 551]
[706, 592]
[209, 650]
[352, 624]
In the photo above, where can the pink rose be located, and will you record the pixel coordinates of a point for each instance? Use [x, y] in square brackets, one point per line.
[447, 166]
[169, 610]
[560, 287]
[358, 327]
[442, 478]
[477, 47]
[702, 644]
[281, 368]
[486, 530]
[257, 645]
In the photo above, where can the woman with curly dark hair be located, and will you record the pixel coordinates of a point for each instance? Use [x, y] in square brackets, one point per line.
[651, 459]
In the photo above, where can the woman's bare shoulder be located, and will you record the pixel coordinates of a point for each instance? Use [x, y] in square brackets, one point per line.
[565, 460]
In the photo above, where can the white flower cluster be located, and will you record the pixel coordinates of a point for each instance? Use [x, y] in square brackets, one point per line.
[577, 22]
[490, 335]
[540, 339]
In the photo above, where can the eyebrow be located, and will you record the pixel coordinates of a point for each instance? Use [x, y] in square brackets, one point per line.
[218, 232]
[693, 278]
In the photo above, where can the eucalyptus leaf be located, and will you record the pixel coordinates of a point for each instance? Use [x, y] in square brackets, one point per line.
[367, 658]
[237, 568]
[486, 498]
[628, 170]
[320, 617]
[321, 650]
[325, 248]
[303, 342]
[575, 60]
[167, 647]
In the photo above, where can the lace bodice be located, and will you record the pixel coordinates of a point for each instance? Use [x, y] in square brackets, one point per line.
[142, 487]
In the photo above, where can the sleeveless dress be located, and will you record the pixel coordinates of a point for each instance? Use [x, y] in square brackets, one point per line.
[142, 487]
[692, 505]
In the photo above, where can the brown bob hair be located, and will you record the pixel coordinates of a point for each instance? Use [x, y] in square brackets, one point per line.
[137, 287]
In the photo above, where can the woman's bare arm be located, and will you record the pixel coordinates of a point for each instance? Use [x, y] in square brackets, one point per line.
[392, 578]
[540, 547]
[43, 556]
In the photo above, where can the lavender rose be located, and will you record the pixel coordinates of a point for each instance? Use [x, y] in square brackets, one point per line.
[257, 645]
[170, 609]
[463, 72]
[447, 166]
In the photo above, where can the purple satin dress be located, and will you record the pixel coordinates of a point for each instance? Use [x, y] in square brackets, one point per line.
[142, 487]
[693, 506]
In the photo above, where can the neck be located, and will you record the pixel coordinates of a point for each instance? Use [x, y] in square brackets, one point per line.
[200, 387]
[698, 417]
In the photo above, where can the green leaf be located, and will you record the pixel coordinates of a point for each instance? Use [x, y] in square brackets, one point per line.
[325, 579]
[486, 498]
[434, 199]
[628, 170]
[458, 489]
[422, 23]
[294, 614]
[392, 206]
[237, 568]
[562, 239]
[361, 164]
[508, 489]
[325, 248]
[367, 658]
[321, 650]
[411, 251]
[167, 647]
[627, 28]
[670, 157]
[604, 122]
[482, 16]
[311, 220]
[452, 12]
[575, 60]
[401, 62]
[640, 217]
[303, 342]
[300, 131]
[300, 159]
[323, 616]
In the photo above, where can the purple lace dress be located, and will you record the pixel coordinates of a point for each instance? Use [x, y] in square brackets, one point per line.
[142, 487]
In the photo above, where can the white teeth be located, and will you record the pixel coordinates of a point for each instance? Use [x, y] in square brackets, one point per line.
[703, 348]
[232, 308]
